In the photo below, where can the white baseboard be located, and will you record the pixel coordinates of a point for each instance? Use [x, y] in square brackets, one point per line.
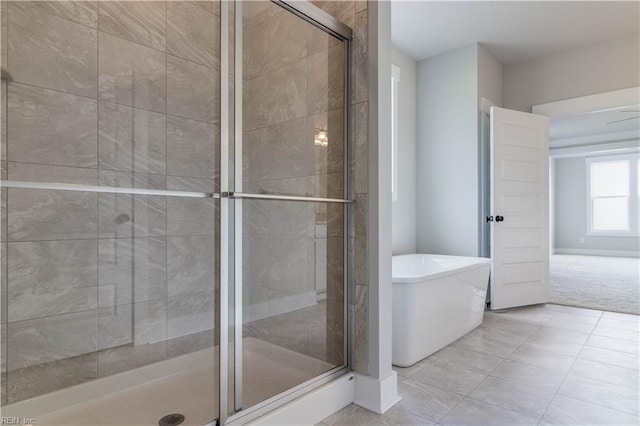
[313, 407]
[376, 395]
[587, 252]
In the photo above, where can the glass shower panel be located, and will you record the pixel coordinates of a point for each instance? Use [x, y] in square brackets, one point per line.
[293, 252]
[110, 232]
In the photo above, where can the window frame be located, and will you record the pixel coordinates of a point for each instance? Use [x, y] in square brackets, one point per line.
[633, 199]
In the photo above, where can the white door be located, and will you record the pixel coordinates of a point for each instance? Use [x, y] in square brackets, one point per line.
[520, 208]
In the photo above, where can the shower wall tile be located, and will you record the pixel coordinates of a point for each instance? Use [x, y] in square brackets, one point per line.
[131, 139]
[149, 211]
[190, 343]
[139, 21]
[124, 215]
[115, 211]
[150, 322]
[290, 152]
[3, 364]
[190, 216]
[255, 217]
[129, 357]
[335, 269]
[330, 158]
[52, 278]
[44, 378]
[51, 52]
[115, 272]
[255, 150]
[256, 12]
[287, 40]
[190, 267]
[82, 12]
[115, 325]
[150, 272]
[288, 92]
[3, 115]
[288, 262]
[319, 40]
[290, 218]
[50, 127]
[192, 34]
[361, 218]
[325, 86]
[192, 90]
[361, 337]
[361, 141]
[342, 10]
[190, 313]
[4, 7]
[51, 215]
[43, 340]
[256, 103]
[191, 148]
[178, 183]
[329, 185]
[4, 289]
[360, 62]
[256, 51]
[131, 74]
[255, 302]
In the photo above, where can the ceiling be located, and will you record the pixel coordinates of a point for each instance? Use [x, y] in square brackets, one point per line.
[596, 123]
[513, 31]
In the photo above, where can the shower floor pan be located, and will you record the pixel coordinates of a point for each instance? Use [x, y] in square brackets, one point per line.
[185, 385]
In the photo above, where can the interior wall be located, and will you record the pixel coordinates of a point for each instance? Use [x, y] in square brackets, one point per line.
[597, 68]
[450, 87]
[571, 212]
[447, 153]
[404, 208]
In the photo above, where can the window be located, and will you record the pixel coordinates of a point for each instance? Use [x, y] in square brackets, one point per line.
[613, 185]
[395, 86]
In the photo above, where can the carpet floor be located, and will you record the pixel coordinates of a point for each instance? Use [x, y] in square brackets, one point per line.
[605, 283]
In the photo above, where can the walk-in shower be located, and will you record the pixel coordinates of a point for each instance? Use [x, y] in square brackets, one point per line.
[176, 204]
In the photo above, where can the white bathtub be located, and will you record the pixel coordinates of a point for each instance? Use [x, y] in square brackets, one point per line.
[436, 300]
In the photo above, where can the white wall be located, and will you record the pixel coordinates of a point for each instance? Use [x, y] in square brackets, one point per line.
[447, 153]
[598, 68]
[450, 86]
[404, 208]
[570, 189]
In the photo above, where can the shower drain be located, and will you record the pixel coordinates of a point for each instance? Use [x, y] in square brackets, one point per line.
[171, 420]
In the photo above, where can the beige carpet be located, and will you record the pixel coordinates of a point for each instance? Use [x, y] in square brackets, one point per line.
[606, 283]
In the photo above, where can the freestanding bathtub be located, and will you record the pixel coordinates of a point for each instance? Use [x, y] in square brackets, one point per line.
[436, 300]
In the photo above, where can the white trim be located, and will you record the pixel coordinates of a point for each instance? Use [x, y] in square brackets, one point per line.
[313, 407]
[376, 395]
[594, 103]
[395, 120]
[610, 148]
[633, 135]
[587, 252]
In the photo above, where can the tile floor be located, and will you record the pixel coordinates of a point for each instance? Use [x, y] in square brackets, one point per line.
[546, 364]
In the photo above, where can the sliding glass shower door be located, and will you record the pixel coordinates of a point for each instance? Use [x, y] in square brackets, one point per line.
[289, 199]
